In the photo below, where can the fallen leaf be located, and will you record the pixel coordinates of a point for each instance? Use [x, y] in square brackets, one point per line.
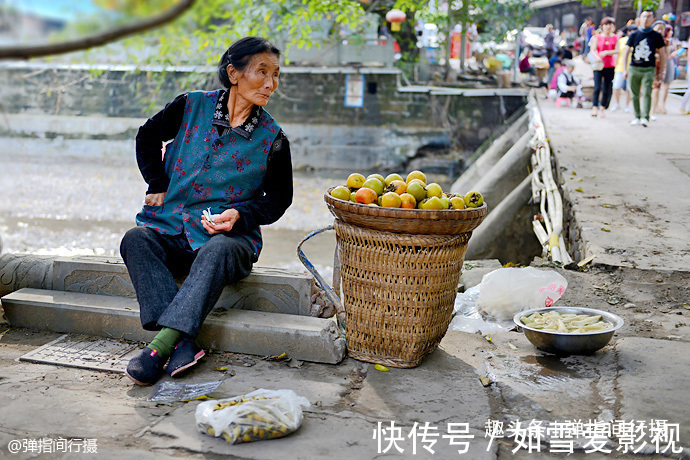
[486, 381]
[488, 338]
[605, 230]
[512, 346]
[222, 369]
[579, 189]
[381, 368]
[281, 357]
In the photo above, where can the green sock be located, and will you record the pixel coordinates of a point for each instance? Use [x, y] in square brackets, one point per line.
[164, 342]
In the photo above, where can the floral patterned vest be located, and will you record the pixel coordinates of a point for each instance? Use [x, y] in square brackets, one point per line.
[209, 171]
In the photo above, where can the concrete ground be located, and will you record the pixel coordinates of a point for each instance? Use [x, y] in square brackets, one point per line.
[632, 214]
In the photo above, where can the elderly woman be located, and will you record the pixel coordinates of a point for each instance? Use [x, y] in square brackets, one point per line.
[228, 156]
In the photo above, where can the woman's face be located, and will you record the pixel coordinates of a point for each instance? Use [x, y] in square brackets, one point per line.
[660, 28]
[258, 80]
[609, 28]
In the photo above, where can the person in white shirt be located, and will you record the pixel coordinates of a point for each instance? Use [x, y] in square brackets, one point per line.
[568, 84]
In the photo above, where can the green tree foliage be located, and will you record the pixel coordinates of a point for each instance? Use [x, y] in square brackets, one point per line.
[206, 29]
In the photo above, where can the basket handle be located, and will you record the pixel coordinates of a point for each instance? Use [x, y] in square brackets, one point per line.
[330, 293]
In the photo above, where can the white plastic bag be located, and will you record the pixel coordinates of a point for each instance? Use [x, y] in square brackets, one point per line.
[466, 317]
[507, 291]
[261, 414]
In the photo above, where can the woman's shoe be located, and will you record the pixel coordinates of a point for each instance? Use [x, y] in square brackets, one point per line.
[146, 368]
[187, 353]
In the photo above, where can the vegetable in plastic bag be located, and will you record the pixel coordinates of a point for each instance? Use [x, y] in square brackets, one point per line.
[261, 414]
[507, 291]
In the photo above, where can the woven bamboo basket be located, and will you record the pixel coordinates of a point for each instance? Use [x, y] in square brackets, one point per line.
[399, 288]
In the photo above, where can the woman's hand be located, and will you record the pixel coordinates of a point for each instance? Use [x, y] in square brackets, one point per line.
[223, 223]
[154, 199]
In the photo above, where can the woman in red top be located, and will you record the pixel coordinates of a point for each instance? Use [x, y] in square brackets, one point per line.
[606, 49]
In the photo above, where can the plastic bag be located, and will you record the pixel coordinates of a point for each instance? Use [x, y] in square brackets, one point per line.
[507, 291]
[466, 317]
[261, 414]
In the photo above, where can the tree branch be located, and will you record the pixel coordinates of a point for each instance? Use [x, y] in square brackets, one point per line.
[99, 39]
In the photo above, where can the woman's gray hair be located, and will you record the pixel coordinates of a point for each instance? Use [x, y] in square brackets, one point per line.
[240, 53]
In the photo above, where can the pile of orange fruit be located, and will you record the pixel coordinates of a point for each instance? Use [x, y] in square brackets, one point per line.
[412, 192]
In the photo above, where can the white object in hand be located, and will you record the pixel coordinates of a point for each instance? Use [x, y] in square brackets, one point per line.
[210, 217]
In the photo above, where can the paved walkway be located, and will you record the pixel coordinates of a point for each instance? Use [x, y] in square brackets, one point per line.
[629, 186]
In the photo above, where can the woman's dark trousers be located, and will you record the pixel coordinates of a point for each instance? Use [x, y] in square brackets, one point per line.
[603, 83]
[154, 261]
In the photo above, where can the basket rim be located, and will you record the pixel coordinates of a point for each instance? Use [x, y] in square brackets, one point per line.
[422, 214]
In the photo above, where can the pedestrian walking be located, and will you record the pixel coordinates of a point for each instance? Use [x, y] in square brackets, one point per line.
[619, 81]
[671, 53]
[226, 172]
[643, 44]
[660, 27]
[685, 102]
[549, 41]
[586, 30]
[604, 50]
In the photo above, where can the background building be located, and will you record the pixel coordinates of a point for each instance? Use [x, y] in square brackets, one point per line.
[567, 15]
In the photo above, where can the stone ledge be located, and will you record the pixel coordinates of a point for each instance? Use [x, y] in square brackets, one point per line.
[238, 331]
[265, 289]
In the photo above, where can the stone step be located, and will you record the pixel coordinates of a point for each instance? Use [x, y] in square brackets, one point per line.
[265, 289]
[239, 331]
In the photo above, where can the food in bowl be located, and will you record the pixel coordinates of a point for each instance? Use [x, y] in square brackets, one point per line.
[554, 321]
[569, 343]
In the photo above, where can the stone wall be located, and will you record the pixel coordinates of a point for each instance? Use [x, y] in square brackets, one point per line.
[389, 130]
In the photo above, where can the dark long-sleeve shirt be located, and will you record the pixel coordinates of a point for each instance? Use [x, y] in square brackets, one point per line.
[277, 185]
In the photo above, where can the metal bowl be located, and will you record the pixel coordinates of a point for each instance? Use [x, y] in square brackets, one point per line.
[573, 343]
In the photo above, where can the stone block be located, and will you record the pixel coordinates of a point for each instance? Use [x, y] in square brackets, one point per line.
[238, 331]
[265, 289]
[25, 270]
[92, 275]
